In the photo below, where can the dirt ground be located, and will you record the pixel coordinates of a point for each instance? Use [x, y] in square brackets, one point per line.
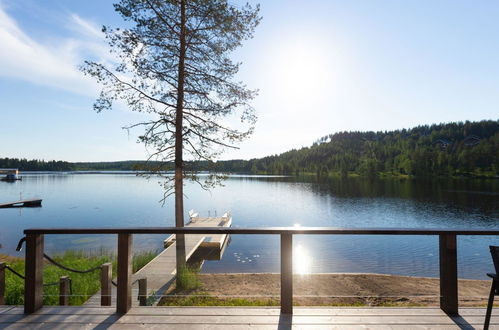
[347, 289]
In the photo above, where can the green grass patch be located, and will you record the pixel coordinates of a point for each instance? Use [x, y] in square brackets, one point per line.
[83, 285]
[142, 258]
[200, 298]
[187, 279]
[207, 300]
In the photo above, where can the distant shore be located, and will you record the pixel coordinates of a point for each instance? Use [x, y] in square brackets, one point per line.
[344, 289]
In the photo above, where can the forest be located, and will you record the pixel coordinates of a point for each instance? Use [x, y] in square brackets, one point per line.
[452, 149]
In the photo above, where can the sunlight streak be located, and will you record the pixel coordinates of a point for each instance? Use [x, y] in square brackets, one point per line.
[301, 260]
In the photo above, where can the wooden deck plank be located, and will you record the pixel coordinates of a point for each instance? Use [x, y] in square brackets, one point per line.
[229, 310]
[272, 311]
[238, 319]
[6, 309]
[114, 321]
[50, 326]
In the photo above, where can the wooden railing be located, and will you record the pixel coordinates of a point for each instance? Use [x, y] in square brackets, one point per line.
[35, 241]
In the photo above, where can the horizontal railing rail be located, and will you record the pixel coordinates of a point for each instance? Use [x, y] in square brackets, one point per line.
[447, 254]
[263, 231]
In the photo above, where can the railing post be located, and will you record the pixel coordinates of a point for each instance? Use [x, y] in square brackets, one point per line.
[64, 290]
[2, 283]
[33, 284]
[286, 273]
[448, 274]
[143, 292]
[106, 276]
[124, 291]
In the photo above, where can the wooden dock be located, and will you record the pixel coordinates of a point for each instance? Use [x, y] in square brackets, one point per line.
[239, 318]
[160, 272]
[23, 203]
[210, 241]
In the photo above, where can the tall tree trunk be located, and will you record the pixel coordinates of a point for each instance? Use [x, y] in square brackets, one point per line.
[179, 185]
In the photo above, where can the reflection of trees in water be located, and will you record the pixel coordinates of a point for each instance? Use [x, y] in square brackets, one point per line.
[461, 194]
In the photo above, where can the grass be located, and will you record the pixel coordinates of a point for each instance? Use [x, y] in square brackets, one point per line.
[187, 279]
[207, 300]
[200, 298]
[83, 285]
[141, 259]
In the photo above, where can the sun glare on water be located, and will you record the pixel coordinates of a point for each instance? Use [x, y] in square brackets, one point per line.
[301, 260]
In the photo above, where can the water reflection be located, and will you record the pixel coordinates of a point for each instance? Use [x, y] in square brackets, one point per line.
[301, 260]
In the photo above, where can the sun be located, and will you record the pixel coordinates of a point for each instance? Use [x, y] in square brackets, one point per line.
[301, 71]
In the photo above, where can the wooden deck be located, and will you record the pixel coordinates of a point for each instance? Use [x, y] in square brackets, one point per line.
[243, 318]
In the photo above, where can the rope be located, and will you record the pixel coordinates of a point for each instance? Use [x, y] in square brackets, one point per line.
[14, 272]
[45, 284]
[116, 284]
[70, 269]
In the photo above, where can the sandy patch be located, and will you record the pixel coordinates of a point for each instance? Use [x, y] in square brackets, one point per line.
[326, 289]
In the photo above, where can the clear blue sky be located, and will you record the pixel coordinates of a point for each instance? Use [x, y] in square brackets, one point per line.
[320, 66]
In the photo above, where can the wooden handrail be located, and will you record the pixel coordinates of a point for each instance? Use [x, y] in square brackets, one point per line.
[447, 253]
[263, 231]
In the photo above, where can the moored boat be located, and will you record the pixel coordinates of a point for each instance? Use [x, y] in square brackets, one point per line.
[11, 174]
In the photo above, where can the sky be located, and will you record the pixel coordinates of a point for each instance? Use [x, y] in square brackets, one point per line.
[320, 67]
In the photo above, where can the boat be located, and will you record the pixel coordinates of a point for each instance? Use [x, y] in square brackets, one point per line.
[23, 203]
[11, 174]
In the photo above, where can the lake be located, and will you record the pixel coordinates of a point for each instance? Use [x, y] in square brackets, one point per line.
[124, 199]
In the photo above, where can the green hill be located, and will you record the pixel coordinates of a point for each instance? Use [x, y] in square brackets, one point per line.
[454, 149]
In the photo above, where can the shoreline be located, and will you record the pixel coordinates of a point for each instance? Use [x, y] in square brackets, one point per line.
[344, 273]
[336, 289]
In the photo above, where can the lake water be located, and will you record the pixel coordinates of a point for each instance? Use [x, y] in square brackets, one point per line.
[121, 200]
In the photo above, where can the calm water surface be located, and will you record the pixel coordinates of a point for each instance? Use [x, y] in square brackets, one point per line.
[120, 200]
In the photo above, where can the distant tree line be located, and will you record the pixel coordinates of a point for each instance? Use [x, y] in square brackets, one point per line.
[454, 149]
[127, 165]
[35, 164]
